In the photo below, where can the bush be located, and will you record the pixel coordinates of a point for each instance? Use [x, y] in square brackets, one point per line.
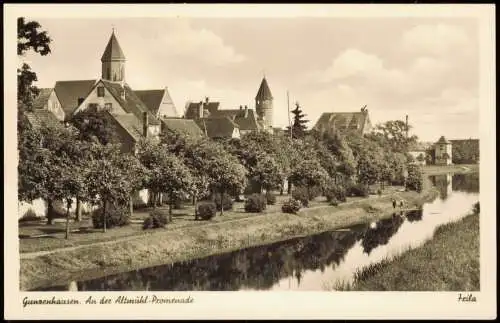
[476, 208]
[334, 202]
[255, 203]
[300, 194]
[206, 210]
[379, 192]
[270, 198]
[156, 219]
[291, 206]
[360, 190]
[415, 179]
[29, 215]
[116, 216]
[314, 192]
[335, 193]
[227, 202]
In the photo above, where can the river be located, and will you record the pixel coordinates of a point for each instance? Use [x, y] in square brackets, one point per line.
[311, 263]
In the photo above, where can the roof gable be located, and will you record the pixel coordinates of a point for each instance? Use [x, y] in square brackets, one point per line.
[151, 98]
[193, 109]
[248, 122]
[113, 50]
[131, 103]
[68, 93]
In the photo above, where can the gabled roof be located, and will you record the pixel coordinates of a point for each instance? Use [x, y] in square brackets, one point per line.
[153, 99]
[193, 108]
[42, 98]
[68, 93]
[264, 92]
[130, 124]
[132, 103]
[39, 117]
[113, 50]
[238, 116]
[217, 127]
[185, 126]
[342, 121]
[442, 140]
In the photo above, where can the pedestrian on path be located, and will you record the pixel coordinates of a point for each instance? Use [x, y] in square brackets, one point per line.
[393, 203]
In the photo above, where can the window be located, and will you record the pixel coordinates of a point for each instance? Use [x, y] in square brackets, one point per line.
[100, 91]
[80, 100]
[108, 106]
[92, 106]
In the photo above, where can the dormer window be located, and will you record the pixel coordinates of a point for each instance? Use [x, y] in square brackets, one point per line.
[100, 91]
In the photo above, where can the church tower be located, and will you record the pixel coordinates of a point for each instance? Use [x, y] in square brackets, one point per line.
[264, 106]
[113, 61]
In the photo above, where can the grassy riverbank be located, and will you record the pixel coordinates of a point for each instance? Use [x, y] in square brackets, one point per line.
[448, 262]
[183, 243]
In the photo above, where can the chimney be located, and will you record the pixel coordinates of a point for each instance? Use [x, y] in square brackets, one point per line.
[246, 111]
[145, 124]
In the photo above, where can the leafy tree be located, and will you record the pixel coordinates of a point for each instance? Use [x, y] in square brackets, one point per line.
[309, 173]
[299, 123]
[392, 134]
[29, 37]
[267, 173]
[94, 125]
[226, 174]
[415, 178]
[136, 174]
[106, 180]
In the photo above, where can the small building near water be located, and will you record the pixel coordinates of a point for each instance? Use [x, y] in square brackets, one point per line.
[442, 152]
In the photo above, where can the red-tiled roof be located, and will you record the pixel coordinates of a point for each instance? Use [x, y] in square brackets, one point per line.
[185, 126]
[193, 109]
[153, 99]
[40, 117]
[245, 122]
[342, 121]
[68, 93]
[42, 98]
[217, 127]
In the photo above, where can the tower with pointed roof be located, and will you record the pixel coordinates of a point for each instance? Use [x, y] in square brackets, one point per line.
[113, 61]
[264, 106]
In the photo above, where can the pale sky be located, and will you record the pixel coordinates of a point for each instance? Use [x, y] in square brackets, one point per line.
[426, 68]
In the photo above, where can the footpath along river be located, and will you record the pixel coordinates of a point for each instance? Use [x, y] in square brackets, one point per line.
[309, 263]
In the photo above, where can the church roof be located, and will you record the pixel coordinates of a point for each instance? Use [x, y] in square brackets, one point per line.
[184, 126]
[131, 103]
[264, 92]
[153, 99]
[113, 50]
[68, 93]
[342, 121]
[221, 127]
[42, 98]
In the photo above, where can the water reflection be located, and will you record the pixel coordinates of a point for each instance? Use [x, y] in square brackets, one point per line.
[303, 263]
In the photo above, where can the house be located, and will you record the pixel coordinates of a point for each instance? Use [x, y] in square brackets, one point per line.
[344, 122]
[181, 125]
[158, 102]
[218, 127]
[71, 94]
[419, 152]
[244, 117]
[47, 100]
[442, 152]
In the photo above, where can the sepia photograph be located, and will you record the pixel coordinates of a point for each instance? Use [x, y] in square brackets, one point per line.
[232, 153]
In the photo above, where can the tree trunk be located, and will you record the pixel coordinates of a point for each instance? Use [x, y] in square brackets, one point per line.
[131, 204]
[221, 204]
[195, 208]
[78, 211]
[66, 236]
[50, 212]
[170, 202]
[289, 187]
[104, 216]
[153, 199]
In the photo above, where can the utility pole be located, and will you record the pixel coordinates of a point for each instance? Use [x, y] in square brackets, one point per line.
[406, 126]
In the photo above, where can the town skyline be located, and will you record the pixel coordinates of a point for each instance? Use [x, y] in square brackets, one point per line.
[198, 58]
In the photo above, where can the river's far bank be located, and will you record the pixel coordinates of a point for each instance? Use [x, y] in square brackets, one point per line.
[430, 170]
[196, 242]
[448, 262]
